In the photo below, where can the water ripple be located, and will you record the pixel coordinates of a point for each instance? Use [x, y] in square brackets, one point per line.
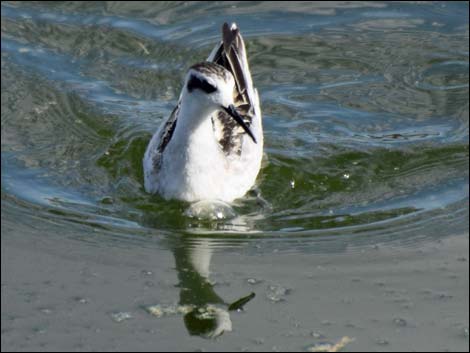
[366, 130]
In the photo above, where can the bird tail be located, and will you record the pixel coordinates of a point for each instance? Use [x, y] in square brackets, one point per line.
[231, 54]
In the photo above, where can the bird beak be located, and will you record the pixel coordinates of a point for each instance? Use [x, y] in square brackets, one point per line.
[230, 110]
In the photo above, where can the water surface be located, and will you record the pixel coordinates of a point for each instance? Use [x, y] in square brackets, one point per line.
[365, 111]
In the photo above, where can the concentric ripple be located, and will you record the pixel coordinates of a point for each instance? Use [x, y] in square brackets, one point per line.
[366, 129]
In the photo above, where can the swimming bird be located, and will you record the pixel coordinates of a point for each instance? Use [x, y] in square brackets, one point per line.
[211, 145]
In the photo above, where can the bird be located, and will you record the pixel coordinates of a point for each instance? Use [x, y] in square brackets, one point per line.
[211, 145]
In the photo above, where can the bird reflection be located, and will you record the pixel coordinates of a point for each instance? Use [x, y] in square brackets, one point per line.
[209, 315]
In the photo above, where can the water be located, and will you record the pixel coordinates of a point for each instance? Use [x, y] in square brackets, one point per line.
[366, 127]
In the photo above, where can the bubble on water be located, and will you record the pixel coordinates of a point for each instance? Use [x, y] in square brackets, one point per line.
[382, 342]
[253, 281]
[443, 296]
[258, 340]
[210, 210]
[277, 293]
[81, 300]
[46, 311]
[400, 322]
[317, 335]
[330, 346]
[39, 330]
[107, 200]
[160, 310]
[121, 316]
[146, 273]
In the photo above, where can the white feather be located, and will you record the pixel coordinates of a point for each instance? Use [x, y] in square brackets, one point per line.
[193, 166]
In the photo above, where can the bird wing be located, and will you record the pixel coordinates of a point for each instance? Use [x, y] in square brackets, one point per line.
[164, 136]
[231, 54]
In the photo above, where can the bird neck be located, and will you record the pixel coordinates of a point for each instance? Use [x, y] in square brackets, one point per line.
[194, 127]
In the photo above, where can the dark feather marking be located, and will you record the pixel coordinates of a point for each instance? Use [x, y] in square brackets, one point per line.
[209, 68]
[169, 128]
[196, 82]
[166, 135]
[232, 133]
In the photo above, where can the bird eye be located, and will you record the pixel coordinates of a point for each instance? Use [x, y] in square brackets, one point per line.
[196, 82]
